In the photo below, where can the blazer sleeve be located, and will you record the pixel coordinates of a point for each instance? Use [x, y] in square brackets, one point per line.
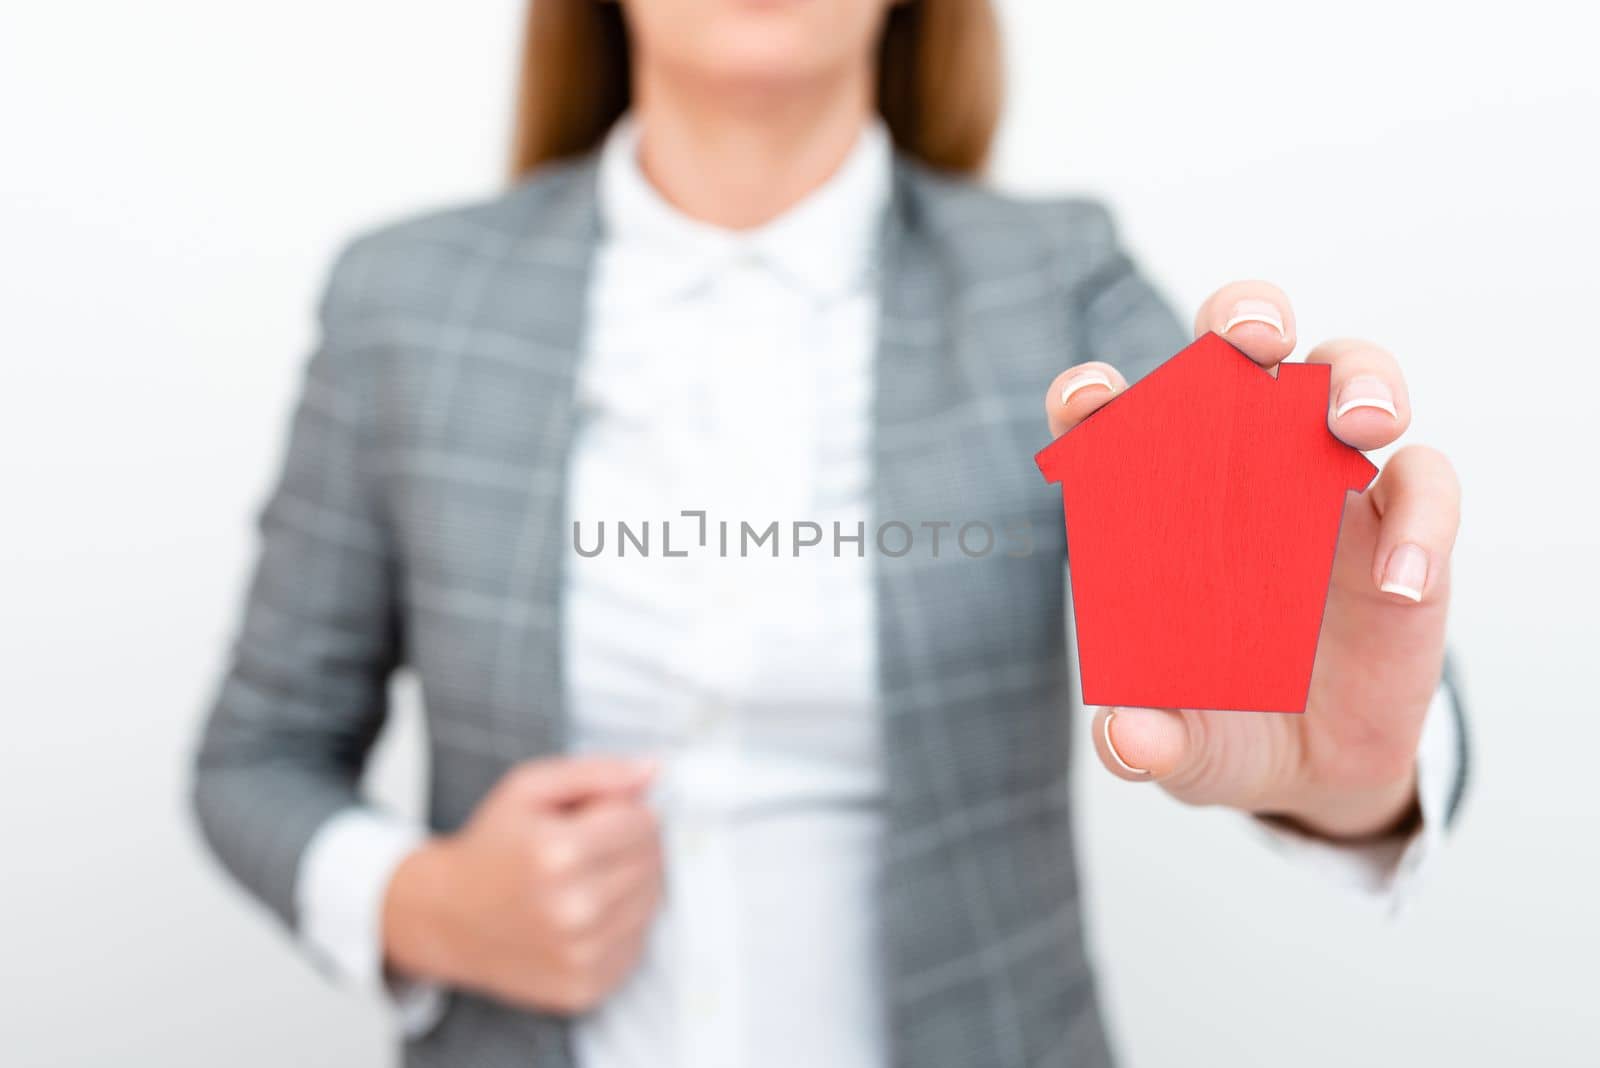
[305, 690]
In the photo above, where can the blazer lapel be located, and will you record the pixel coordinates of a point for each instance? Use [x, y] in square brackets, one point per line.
[913, 384]
[542, 291]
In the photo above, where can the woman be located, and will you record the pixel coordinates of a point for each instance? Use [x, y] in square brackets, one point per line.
[763, 794]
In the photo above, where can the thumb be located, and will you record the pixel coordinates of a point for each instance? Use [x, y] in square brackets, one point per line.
[566, 781]
[1142, 744]
[1242, 759]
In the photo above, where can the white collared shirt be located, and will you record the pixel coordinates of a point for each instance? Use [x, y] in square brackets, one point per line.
[730, 373]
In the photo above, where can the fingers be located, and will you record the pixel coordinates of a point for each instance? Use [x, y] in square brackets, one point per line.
[619, 945]
[630, 895]
[1256, 317]
[1079, 392]
[590, 904]
[566, 846]
[601, 924]
[1368, 404]
[1418, 501]
[608, 830]
[1240, 759]
[571, 780]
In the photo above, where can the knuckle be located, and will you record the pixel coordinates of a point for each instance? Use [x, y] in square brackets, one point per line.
[575, 911]
[1427, 457]
[555, 856]
[1430, 467]
[1199, 766]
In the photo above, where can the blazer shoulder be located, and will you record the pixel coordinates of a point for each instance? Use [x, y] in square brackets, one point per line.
[1070, 237]
[417, 261]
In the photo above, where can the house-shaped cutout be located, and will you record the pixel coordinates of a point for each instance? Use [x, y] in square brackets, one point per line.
[1203, 508]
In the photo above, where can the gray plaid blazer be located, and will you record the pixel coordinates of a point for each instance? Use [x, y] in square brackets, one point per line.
[419, 523]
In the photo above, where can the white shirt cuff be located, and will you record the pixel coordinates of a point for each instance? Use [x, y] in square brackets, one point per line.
[1388, 872]
[339, 896]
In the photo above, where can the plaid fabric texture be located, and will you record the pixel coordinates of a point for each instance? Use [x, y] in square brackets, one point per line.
[418, 524]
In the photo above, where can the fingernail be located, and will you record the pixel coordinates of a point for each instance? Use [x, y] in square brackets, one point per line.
[1252, 310]
[1111, 746]
[1365, 391]
[1406, 573]
[1083, 381]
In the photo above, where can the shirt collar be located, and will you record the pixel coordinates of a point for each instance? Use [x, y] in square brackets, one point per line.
[825, 244]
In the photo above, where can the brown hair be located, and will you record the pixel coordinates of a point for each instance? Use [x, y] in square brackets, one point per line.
[939, 80]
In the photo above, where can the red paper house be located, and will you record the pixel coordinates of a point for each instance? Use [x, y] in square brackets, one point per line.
[1202, 509]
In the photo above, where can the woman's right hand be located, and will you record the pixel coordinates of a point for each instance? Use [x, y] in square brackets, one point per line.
[544, 898]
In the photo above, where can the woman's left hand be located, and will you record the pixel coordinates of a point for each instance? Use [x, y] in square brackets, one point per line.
[1347, 768]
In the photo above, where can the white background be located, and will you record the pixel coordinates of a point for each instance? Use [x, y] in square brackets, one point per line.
[176, 175]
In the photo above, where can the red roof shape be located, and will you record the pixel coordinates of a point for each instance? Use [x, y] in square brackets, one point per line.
[1203, 507]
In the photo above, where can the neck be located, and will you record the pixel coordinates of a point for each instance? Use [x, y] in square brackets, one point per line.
[736, 160]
